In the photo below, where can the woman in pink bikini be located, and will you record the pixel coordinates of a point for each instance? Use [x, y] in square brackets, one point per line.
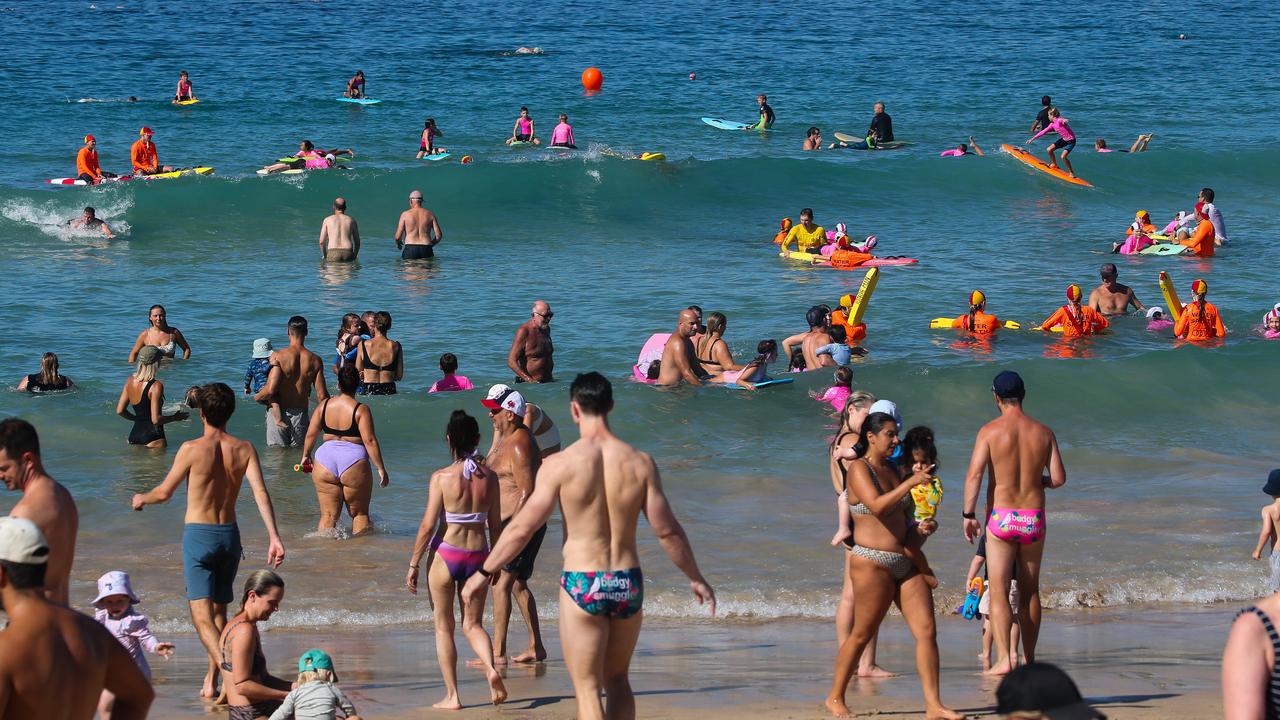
[463, 503]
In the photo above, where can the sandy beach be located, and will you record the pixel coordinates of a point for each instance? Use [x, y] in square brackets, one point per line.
[1129, 664]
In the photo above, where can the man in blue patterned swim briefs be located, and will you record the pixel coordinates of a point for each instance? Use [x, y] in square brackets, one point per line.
[601, 485]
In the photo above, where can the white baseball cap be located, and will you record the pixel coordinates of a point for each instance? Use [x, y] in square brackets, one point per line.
[22, 542]
[888, 407]
[504, 397]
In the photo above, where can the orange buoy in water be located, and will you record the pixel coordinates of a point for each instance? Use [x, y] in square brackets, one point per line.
[592, 79]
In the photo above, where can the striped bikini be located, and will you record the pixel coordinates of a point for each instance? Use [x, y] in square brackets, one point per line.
[1273, 685]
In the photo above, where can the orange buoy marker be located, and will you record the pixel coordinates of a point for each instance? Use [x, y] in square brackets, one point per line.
[592, 80]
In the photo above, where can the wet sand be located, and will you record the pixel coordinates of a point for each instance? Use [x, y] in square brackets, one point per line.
[1133, 663]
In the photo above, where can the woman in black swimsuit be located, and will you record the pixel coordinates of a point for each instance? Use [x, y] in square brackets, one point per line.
[713, 352]
[380, 377]
[141, 400]
[252, 692]
[48, 379]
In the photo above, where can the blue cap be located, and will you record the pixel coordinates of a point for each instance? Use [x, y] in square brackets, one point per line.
[1272, 487]
[1008, 386]
[315, 660]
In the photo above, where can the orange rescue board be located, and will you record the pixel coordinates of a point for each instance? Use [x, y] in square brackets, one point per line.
[1040, 165]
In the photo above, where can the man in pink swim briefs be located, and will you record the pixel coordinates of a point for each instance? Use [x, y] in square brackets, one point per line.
[1016, 450]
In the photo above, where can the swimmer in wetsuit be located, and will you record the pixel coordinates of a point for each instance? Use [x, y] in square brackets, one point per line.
[766, 115]
[523, 130]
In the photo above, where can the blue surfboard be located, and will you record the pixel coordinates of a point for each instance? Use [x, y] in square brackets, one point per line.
[359, 101]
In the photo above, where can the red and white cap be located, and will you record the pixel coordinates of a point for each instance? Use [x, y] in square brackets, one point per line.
[146, 131]
[504, 397]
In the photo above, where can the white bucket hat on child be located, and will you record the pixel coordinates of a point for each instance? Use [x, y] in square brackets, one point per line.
[115, 582]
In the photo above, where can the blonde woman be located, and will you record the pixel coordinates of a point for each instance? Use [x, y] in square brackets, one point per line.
[48, 379]
[141, 400]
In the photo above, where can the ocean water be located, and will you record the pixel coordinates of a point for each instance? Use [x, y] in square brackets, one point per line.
[1166, 446]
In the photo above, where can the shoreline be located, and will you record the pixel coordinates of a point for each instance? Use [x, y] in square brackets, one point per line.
[1126, 662]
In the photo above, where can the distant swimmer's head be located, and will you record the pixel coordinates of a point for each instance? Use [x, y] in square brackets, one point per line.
[813, 132]
[977, 299]
[786, 224]
[416, 197]
[1272, 487]
[590, 394]
[1199, 288]
[767, 350]
[330, 158]
[806, 215]
[1142, 216]
[1046, 100]
[1099, 144]
[1108, 272]
[1206, 195]
[90, 213]
[1074, 293]
[133, 99]
[716, 323]
[90, 140]
[816, 317]
[1155, 313]
[1008, 387]
[306, 145]
[693, 76]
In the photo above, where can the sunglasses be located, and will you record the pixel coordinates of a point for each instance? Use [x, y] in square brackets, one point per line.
[494, 411]
[548, 314]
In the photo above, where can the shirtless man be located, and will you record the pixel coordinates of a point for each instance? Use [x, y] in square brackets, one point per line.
[515, 458]
[416, 229]
[1014, 450]
[44, 502]
[213, 466]
[295, 370]
[530, 355]
[812, 339]
[1112, 298]
[601, 486]
[679, 361]
[339, 235]
[89, 220]
[55, 662]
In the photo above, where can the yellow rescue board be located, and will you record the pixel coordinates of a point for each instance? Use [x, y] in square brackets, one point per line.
[859, 306]
[1170, 296]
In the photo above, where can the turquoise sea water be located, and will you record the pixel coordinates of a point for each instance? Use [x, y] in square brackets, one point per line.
[1166, 446]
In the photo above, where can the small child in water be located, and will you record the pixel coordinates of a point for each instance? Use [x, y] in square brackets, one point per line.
[1271, 323]
[255, 377]
[450, 382]
[838, 349]
[1157, 322]
[315, 696]
[114, 609]
[755, 371]
[838, 394]
[1270, 523]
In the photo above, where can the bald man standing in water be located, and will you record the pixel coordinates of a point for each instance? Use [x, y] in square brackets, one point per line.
[44, 502]
[339, 235]
[1015, 450]
[530, 355]
[418, 231]
[601, 485]
[679, 361]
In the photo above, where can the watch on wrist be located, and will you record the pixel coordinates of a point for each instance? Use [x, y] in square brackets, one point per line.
[969, 515]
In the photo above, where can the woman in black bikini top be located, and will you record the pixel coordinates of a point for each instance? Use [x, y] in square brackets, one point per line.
[375, 375]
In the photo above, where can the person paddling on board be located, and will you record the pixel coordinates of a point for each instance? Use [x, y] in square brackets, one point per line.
[87, 168]
[766, 115]
[185, 91]
[1042, 118]
[977, 321]
[1076, 319]
[523, 129]
[881, 130]
[355, 86]
[90, 220]
[429, 134]
[1066, 140]
[1200, 321]
[963, 149]
[143, 154]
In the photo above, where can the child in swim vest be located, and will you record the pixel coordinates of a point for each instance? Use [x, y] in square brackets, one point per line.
[450, 382]
[782, 234]
[838, 393]
[316, 693]
[113, 608]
